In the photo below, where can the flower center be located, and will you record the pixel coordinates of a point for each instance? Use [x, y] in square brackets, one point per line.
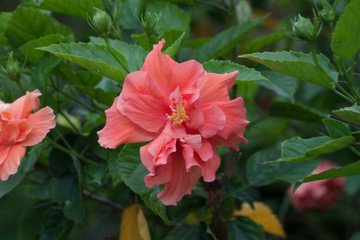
[178, 115]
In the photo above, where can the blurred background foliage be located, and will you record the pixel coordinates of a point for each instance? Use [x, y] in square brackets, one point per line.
[25, 209]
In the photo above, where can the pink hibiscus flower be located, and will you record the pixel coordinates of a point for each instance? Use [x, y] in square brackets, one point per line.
[20, 129]
[321, 194]
[186, 111]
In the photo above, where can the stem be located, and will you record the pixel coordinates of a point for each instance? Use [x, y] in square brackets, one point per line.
[114, 55]
[343, 96]
[345, 121]
[104, 201]
[70, 122]
[71, 153]
[355, 151]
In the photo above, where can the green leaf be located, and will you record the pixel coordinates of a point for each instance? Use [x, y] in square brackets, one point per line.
[259, 174]
[79, 8]
[225, 41]
[95, 58]
[281, 84]
[346, 36]
[143, 40]
[245, 74]
[132, 172]
[26, 164]
[29, 49]
[348, 170]
[174, 47]
[95, 173]
[54, 225]
[135, 55]
[336, 128]
[172, 17]
[30, 23]
[244, 228]
[188, 232]
[129, 12]
[98, 94]
[297, 149]
[4, 21]
[299, 65]
[296, 111]
[349, 113]
[260, 43]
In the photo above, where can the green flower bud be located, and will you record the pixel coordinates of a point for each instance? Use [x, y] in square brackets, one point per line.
[13, 69]
[303, 28]
[148, 21]
[100, 22]
[327, 13]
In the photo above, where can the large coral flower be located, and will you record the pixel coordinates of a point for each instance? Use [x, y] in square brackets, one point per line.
[19, 128]
[186, 111]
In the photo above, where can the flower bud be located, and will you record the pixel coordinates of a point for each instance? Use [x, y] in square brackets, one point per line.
[100, 22]
[13, 69]
[303, 28]
[327, 13]
[148, 21]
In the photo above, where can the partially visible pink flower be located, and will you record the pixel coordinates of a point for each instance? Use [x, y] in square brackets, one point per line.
[186, 111]
[320, 194]
[19, 128]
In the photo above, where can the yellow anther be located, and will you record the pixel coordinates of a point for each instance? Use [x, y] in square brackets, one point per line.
[178, 116]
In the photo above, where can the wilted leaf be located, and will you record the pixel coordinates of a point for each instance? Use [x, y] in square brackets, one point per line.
[134, 224]
[262, 215]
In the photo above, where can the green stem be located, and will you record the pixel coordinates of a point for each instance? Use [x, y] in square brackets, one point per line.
[69, 121]
[114, 55]
[355, 151]
[67, 151]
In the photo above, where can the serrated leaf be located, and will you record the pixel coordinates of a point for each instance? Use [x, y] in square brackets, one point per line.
[79, 8]
[225, 41]
[29, 49]
[346, 36]
[245, 74]
[296, 111]
[263, 215]
[297, 149]
[30, 23]
[336, 128]
[135, 55]
[134, 224]
[281, 84]
[299, 65]
[143, 40]
[169, 14]
[174, 47]
[259, 174]
[129, 12]
[132, 172]
[349, 113]
[243, 228]
[95, 58]
[260, 43]
[348, 170]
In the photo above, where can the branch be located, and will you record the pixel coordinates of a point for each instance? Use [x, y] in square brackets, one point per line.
[343, 120]
[103, 201]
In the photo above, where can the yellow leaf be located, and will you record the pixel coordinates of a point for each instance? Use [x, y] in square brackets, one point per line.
[262, 215]
[133, 224]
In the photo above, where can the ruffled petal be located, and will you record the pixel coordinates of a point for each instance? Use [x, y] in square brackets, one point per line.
[188, 155]
[4, 151]
[160, 67]
[139, 82]
[178, 181]
[214, 121]
[235, 119]
[209, 168]
[174, 131]
[119, 130]
[147, 112]
[10, 130]
[194, 140]
[156, 152]
[22, 106]
[10, 165]
[42, 121]
[215, 87]
[185, 76]
[206, 151]
[196, 119]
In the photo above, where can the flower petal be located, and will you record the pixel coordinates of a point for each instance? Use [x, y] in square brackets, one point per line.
[185, 76]
[160, 67]
[206, 150]
[119, 130]
[26, 104]
[11, 163]
[180, 183]
[209, 167]
[42, 121]
[215, 87]
[194, 140]
[147, 112]
[4, 151]
[196, 119]
[214, 121]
